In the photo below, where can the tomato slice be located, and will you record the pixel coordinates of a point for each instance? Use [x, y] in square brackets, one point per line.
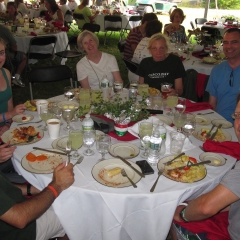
[38, 135]
[203, 133]
[193, 160]
[41, 157]
[186, 168]
[24, 118]
[31, 157]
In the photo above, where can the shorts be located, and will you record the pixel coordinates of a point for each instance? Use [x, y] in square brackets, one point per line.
[16, 57]
[49, 226]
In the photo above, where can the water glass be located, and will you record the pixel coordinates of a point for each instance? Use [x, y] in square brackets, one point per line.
[45, 114]
[156, 102]
[190, 124]
[181, 105]
[103, 143]
[179, 120]
[76, 137]
[145, 141]
[145, 128]
[176, 142]
[89, 137]
[68, 93]
[68, 115]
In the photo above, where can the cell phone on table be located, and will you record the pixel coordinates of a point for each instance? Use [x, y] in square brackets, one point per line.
[145, 167]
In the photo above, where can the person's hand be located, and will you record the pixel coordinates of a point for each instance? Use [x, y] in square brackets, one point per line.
[176, 216]
[6, 152]
[63, 177]
[19, 109]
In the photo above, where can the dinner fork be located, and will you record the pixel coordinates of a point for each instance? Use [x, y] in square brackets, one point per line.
[160, 172]
[124, 174]
[29, 122]
[78, 161]
[209, 133]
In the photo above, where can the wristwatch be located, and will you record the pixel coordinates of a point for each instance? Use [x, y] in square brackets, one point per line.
[182, 215]
[29, 189]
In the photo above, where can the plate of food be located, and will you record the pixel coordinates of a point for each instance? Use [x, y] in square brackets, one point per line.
[216, 159]
[68, 104]
[165, 119]
[108, 173]
[153, 91]
[39, 161]
[22, 118]
[186, 175]
[201, 134]
[124, 150]
[23, 135]
[209, 60]
[31, 105]
[225, 123]
[202, 120]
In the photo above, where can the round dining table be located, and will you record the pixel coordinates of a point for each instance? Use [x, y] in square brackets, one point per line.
[90, 210]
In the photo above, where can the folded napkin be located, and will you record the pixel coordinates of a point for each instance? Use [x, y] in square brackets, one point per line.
[134, 131]
[200, 86]
[193, 106]
[127, 137]
[229, 148]
[198, 54]
[33, 34]
[182, 58]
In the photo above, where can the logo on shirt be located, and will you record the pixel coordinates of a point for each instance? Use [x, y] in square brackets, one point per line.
[158, 75]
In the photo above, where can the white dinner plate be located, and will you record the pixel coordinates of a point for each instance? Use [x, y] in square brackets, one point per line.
[67, 103]
[197, 134]
[202, 120]
[7, 136]
[99, 173]
[19, 118]
[124, 150]
[62, 143]
[216, 159]
[225, 123]
[164, 119]
[46, 166]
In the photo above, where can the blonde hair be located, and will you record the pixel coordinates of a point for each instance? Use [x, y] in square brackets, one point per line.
[82, 35]
[157, 37]
[179, 11]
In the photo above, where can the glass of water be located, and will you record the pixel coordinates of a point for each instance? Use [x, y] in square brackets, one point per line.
[68, 115]
[89, 139]
[103, 144]
[189, 126]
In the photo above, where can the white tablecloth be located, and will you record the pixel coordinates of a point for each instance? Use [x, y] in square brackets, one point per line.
[24, 41]
[89, 210]
[100, 20]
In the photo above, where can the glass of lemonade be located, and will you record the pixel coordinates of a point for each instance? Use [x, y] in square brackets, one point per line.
[45, 114]
[143, 89]
[84, 94]
[172, 101]
[145, 128]
[179, 120]
[76, 137]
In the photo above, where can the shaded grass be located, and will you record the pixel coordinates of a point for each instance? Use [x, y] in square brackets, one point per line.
[47, 90]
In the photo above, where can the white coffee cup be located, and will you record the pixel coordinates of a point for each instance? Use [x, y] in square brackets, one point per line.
[19, 30]
[39, 103]
[53, 127]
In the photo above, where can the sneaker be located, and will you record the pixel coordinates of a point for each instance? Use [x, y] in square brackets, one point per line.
[18, 82]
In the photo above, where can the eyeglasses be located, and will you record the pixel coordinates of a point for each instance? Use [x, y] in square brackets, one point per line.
[231, 80]
[236, 115]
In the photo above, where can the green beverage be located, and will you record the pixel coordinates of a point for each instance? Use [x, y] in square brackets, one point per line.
[45, 116]
[179, 122]
[145, 128]
[143, 89]
[77, 139]
[172, 101]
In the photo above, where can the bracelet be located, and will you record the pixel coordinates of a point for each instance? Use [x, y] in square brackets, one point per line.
[182, 215]
[54, 191]
[29, 189]
[4, 118]
[183, 204]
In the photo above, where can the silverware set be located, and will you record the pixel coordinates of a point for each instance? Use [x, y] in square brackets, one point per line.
[28, 123]
[213, 135]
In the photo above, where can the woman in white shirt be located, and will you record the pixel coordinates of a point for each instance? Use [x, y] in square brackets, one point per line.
[21, 7]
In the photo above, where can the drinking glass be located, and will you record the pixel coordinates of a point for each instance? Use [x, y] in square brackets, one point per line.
[190, 50]
[143, 90]
[181, 105]
[89, 139]
[156, 102]
[179, 120]
[117, 87]
[76, 137]
[45, 115]
[145, 128]
[57, 111]
[68, 93]
[145, 140]
[172, 101]
[84, 94]
[189, 126]
[67, 115]
[165, 89]
[103, 143]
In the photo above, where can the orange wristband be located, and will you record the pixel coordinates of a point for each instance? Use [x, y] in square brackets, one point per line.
[55, 193]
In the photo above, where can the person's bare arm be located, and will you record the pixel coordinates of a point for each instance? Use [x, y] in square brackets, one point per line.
[117, 77]
[213, 102]
[23, 188]
[60, 16]
[23, 213]
[141, 80]
[6, 152]
[84, 83]
[207, 204]
[133, 47]
[178, 87]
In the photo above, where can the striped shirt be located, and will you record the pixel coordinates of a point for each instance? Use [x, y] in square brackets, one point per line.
[134, 37]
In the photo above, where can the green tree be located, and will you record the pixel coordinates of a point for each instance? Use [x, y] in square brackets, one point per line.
[224, 4]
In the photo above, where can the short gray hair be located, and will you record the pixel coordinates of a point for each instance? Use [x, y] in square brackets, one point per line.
[156, 37]
[82, 35]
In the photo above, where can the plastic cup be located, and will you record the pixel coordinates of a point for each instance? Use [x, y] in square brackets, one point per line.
[39, 103]
[53, 126]
[19, 30]
[177, 141]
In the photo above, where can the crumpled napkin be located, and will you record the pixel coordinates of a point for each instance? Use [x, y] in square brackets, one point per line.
[187, 144]
[227, 147]
[194, 107]
[33, 34]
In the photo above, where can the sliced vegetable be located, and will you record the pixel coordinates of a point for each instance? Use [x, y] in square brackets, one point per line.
[31, 157]
[186, 168]
[193, 160]
[41, 157]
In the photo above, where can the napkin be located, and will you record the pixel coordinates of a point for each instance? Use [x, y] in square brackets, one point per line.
[199, 54]
[182, 58]
[200, 86]
[187, 144]
[127, 137]
[193, 106]
[33, 34]
[228, 147]
[215, 227]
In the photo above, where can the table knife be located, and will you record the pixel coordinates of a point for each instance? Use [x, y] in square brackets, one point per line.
[195, 164]
[130, 165]
[51, 151]
[215, 133]
[169, 162]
